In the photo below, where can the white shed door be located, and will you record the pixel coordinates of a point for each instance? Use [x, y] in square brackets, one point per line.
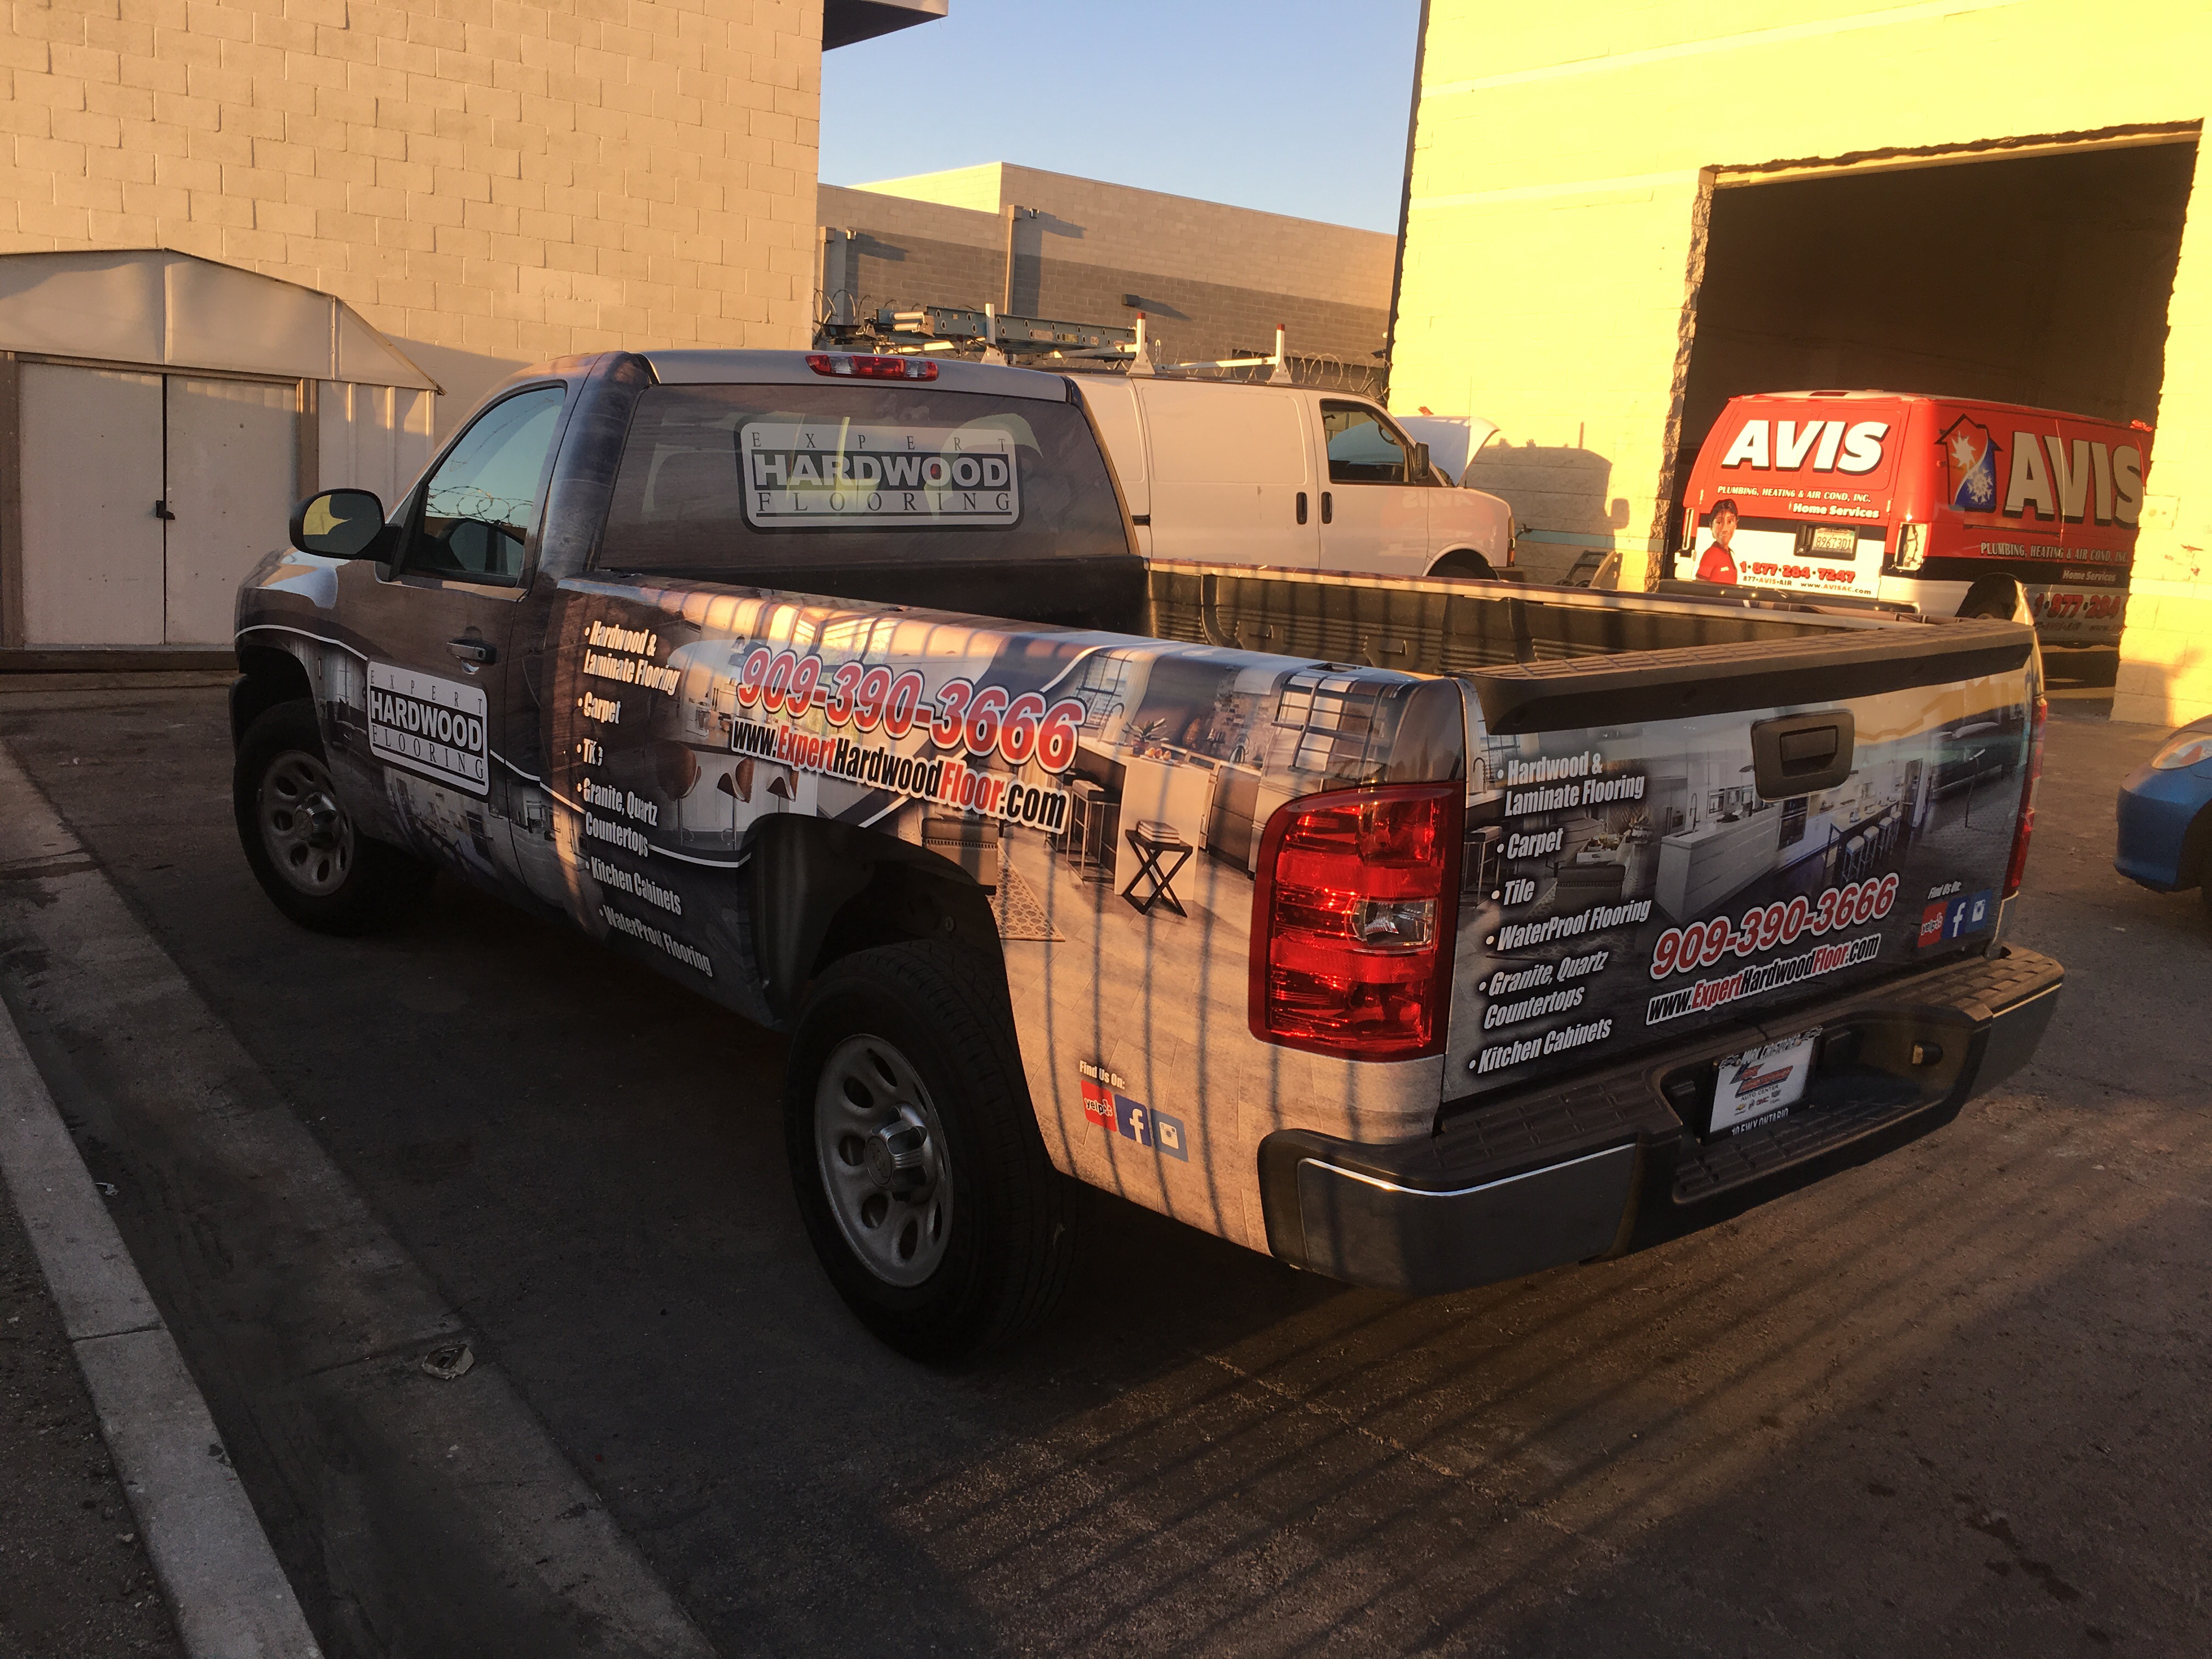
[92, 472]
[233, 445]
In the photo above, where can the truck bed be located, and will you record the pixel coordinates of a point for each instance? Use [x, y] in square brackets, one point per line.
[1528, 652]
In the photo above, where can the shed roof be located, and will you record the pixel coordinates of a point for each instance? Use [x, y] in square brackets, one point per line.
[179, 311]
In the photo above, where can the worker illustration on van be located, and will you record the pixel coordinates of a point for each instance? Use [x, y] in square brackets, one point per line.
[1719, 563]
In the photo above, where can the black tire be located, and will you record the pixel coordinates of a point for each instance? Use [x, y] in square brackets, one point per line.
[1465, 565]
[2196, 867]
[1005, 1217]
[1995, 597]
[315, 867]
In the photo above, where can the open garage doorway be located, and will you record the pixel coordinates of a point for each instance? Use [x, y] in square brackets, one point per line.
[2039, 280]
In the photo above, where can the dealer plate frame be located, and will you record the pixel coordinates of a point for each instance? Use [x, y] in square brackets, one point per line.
[1774, 1094]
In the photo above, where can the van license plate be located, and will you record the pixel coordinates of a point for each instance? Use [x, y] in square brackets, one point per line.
[1762, 1083]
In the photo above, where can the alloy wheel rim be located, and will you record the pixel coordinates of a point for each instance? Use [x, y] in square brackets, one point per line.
[880, 1145]
[308, 834]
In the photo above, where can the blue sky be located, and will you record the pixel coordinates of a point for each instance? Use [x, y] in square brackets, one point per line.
[1293, 106]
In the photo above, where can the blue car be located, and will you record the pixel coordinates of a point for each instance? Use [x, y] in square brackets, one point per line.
[2165, 814]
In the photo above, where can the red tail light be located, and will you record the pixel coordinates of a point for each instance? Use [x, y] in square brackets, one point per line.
[1356, 899]
[871, 369]
[2025, 827]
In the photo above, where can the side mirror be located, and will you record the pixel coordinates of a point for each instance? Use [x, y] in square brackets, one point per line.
[1422, 473]
[340, 524]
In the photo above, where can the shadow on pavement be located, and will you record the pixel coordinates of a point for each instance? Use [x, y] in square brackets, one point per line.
[1950, 1402]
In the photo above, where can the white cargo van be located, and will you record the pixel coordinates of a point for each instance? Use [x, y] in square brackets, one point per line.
[1291, 477]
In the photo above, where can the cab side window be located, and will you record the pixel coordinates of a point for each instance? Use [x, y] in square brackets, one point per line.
[481, 503]
[1363, 448]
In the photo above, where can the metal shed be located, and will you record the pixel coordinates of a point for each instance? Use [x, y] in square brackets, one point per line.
[160, 414]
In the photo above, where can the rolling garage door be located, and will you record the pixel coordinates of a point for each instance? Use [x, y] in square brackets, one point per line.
[146, 498]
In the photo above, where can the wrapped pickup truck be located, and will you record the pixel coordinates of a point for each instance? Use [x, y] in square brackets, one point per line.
[1421, 934]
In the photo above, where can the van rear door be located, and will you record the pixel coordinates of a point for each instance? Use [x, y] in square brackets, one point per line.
[1796, 491]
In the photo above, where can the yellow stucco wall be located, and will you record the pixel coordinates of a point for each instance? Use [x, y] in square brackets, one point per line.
[490, 183]
[1562, 159]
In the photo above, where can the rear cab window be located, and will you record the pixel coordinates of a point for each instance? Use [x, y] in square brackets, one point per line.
[741, 481]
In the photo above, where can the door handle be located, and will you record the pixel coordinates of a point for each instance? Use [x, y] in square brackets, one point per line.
[472, 650]
[1327, 507]
[1302, 507]
[161, 511]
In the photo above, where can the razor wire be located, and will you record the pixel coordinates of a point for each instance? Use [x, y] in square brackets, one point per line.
[1324, 371]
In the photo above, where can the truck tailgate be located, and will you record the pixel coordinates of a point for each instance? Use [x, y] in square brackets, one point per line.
[1661, 842]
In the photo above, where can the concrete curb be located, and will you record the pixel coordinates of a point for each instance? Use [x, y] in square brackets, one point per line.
[230, 1599]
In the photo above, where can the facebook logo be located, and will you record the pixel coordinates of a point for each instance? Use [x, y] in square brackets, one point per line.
[1969, 916]
[1135, 1121]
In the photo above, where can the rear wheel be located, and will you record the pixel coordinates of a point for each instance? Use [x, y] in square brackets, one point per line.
[915, 1154]
[302, 846]
[1465, 565]
[2197, 857]
[1992, 596]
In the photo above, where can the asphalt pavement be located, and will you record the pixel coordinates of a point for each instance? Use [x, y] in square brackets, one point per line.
[1952, 1402]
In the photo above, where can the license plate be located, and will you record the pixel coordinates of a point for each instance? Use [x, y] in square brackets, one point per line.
[1762, 1083]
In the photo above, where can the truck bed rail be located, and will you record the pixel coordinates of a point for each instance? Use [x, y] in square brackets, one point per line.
[1548, 659]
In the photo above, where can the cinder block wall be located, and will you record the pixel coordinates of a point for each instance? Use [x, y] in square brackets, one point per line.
[490, 183]
[1213, 279]
[2166, 657]
[905, 252]
[1563, 166]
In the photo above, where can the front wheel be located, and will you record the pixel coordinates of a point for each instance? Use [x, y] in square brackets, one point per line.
[920, 1177]
[301, 844]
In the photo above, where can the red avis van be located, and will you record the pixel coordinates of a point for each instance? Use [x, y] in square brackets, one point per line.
[1922, 500]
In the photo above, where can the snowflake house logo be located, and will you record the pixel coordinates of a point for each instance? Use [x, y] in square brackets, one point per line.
[1970, 458]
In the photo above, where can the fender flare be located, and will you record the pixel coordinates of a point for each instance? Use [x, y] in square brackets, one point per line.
[821, 889]
[268, 675]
